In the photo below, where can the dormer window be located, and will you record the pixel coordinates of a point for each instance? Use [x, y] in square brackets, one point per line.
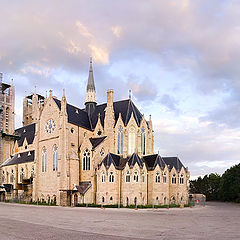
[29, 153]
[19, 155]
[76, 111]
[24, 130]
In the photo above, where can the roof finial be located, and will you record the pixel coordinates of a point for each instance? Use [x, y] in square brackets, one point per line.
[130, 93]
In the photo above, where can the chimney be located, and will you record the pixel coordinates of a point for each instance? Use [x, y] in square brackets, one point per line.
[110, 98]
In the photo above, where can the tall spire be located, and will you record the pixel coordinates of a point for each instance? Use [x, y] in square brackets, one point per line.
[90, 101]
[90, 85]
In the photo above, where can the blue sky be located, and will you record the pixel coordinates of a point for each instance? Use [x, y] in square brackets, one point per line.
[179, 58]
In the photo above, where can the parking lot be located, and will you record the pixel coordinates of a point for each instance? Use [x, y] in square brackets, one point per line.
[214, 221]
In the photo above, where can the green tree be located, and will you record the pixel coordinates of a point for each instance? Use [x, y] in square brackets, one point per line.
[230, 185]
[208, 185]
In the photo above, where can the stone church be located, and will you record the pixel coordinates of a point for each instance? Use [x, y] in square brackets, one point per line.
[102, 153]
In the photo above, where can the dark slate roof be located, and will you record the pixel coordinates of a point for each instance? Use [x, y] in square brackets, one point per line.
[173, 162]
[152, 161]
[18, 158]
[83, 187]
[96, 141]
[76, 116]
[27, 132]
[118, 162]
[135, 159]
[5, 86]
[125, 107]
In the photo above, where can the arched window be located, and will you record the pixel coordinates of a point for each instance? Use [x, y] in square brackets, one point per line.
[86, 160]
[111, 177]
[173, 200]
[143, 141]
[131, 140]
[111, 200]
[164, 177]
[157, 201]
[22, 175]
[12, 176]
[128, 177]
[135, 201]
[103, 177]
[143, 177]
[103, 199]
[120, 140]
[32, 172]
[157, 177]
[54, 200]
[55, 158]
[44, 160]
[181, 179]
[135, 177]
[7, 115]
[174, 179]
[127, 202]
[3, 177]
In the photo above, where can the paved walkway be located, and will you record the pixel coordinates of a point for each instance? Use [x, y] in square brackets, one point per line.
[215, 221]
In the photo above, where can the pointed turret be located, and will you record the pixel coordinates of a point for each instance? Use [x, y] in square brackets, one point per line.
[91, 100]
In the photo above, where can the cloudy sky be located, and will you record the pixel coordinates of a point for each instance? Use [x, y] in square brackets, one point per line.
[180, 58]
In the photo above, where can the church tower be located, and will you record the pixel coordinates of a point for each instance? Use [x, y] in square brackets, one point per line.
[90, 101]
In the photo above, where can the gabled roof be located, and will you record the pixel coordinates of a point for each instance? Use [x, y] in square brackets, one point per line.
[118, 162]
[27, 132]
[96, 141]
[111, 159]
[152, 161]
[135, 159]
[173, 162]
[18, 158]
[80, 117]
[83, 187]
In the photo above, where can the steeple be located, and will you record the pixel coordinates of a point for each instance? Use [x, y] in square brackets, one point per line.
[90, 101]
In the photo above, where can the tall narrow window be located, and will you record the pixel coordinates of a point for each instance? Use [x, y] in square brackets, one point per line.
[157, 177]
[143, 141]
[55, 158]
[143, 177]
[135, 177]
[174, 179]
[120, 140]
[128, 176]
[22, 175]
[164, 177]
[32, 172]
[111, 177]
[181, 179]
[3, 176]
[131, 140]
[103, 176]
[12, 176]
[86, 160]
[7, 114]
[44, 160]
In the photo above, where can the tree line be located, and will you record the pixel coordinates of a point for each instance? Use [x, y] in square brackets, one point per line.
[219, 188]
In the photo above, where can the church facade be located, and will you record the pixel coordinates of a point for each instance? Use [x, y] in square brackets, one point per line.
[102, 154]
